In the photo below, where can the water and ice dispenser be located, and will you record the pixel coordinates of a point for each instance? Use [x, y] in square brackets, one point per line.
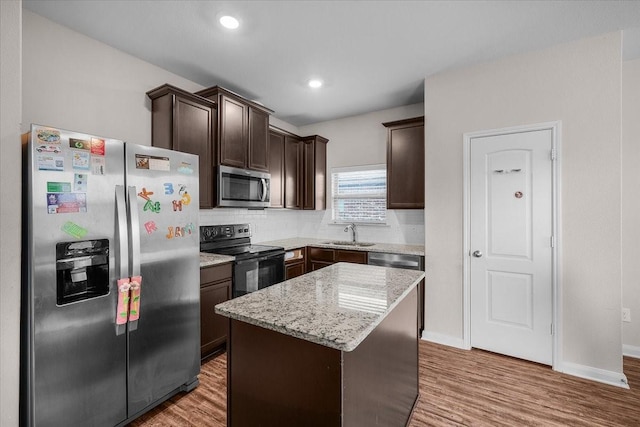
[82, 270]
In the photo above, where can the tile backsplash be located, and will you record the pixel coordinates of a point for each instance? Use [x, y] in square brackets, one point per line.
[403, 226]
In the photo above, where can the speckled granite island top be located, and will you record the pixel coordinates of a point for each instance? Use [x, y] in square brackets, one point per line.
[336, 306]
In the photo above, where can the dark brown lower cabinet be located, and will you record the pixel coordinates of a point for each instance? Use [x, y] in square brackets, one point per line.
[215, 287]
[278, 380]
[296, 265]
[322, 257]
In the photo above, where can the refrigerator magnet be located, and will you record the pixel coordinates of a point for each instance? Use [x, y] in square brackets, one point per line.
[74, 230]
[97, 146]
[185, 168]
[79, 144]
[80, 160]
[58, 203]
[48, 136]
[168, 188]
[58, 187]
[80, 182]
[150, 226]
[97, 165]
[50, 163]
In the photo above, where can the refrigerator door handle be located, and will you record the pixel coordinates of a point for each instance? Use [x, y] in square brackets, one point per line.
[134, 231]
[121, 226]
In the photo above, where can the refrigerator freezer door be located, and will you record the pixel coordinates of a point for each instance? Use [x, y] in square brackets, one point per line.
[164, 343]
[75, 363]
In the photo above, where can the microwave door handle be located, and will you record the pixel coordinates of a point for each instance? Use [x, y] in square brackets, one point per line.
[263, 197]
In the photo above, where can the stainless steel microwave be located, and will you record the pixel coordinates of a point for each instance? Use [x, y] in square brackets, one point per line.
[243, 188]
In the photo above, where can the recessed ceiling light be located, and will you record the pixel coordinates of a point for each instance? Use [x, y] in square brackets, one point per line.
[315, 83]
[229, 22]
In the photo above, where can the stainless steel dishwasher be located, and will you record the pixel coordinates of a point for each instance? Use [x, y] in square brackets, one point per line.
[410, 262]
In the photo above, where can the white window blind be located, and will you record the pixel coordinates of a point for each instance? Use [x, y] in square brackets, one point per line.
[359, 194]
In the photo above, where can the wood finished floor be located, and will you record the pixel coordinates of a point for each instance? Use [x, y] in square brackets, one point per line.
[457, 388]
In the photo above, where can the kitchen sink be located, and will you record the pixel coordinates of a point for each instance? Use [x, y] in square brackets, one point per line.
[347, 243]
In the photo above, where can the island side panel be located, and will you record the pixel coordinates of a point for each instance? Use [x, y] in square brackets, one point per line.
[279, 380]
[380, 377]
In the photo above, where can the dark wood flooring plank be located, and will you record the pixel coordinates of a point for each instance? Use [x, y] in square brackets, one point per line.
[457, 388]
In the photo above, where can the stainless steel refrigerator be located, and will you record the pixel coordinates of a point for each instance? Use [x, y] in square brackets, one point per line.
[111, 308]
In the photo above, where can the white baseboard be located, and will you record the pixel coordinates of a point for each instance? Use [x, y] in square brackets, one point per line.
[631, 351]
[617, 379]
[444, 340]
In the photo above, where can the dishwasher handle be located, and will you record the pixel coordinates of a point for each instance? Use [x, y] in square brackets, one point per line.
[407, 261]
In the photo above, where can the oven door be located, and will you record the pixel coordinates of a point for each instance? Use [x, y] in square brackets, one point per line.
[252, 274]
[243, 188]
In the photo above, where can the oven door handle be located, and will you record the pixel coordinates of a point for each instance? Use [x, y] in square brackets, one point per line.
[260, 259]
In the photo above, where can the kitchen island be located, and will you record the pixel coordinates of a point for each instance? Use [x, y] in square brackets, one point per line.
[334, 347]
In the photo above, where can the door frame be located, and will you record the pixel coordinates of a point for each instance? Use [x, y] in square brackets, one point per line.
[556, 262]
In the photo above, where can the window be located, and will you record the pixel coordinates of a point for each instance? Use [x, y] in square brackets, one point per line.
[359, 194]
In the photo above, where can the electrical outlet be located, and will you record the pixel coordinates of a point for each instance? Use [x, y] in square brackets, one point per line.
[626, 315]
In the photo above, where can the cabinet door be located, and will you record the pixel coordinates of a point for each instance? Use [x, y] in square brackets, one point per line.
[276, 168]
[192, 134]
[315, 168]
[258, 140]
[213, 327]
[317, 265]
[320, 175]
[320, 254]
[294, 270]
[355, 257]
[405, 165]
[308, 200]
[233, 132]
[292, 172]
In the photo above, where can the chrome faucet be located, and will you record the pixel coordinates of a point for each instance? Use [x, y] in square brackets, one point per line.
[352, 226]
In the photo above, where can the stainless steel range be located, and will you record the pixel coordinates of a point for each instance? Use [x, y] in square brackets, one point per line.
[256, 266]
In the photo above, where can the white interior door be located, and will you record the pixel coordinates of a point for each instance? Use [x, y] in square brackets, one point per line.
[511, 286]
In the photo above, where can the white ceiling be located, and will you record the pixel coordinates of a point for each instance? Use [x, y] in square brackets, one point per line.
[372, 55]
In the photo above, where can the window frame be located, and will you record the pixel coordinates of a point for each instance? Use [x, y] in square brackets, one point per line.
[359, 168]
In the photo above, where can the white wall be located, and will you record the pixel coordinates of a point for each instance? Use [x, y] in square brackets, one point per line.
[10, 193]
[631, 204]
[578, 83]
[75, 82]
[362, 140]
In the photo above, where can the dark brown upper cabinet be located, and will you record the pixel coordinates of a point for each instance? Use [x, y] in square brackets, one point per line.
[276, 168]
[315, 173]
[298, 168]
[405, 164]
[243, 130]
[185, 122]
[293, 172]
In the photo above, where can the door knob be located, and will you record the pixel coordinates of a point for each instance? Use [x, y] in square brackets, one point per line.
[477, 254]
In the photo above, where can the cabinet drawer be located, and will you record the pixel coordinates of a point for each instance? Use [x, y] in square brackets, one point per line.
[294, 270]
[317, 265]
[355, 257]
[320, 254]
[215, 273]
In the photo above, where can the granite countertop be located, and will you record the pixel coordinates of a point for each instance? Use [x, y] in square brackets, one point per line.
[336, 306]
[207, 260]
[394, 248]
